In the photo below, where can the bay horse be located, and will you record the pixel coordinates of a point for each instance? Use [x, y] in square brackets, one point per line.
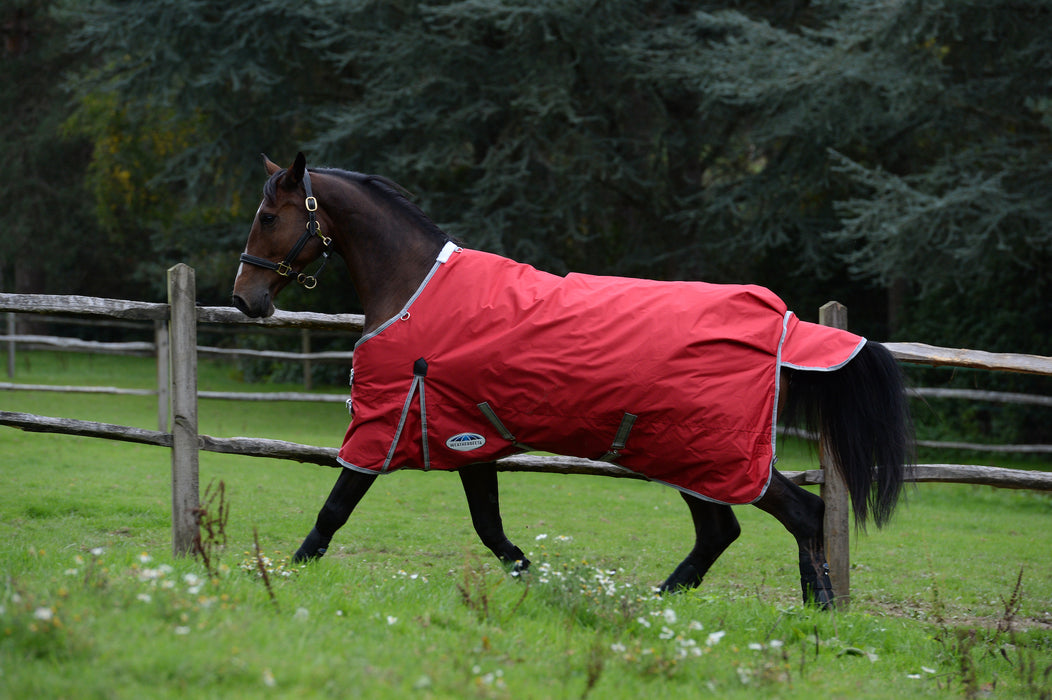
[393, 251]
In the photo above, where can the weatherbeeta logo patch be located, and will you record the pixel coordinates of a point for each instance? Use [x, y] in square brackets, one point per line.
[465, 442]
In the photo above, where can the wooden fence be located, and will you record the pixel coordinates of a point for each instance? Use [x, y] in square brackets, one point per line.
[181, 316]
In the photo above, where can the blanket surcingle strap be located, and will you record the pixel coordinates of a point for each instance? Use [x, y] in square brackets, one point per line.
[677, 381]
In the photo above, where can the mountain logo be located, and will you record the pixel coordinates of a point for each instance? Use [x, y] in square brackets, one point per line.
[465, 442]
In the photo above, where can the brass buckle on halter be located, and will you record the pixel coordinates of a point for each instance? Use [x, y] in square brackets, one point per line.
[312, 204]
[326, 241]
[284, 270]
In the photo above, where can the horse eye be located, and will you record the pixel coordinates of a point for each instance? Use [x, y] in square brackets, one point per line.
[267, 219]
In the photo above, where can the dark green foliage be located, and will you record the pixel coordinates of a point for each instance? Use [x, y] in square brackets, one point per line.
[895, 156]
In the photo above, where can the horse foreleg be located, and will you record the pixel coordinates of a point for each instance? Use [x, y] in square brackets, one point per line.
[480, 488]
[350, 486]
[801, 512]
[715, 528]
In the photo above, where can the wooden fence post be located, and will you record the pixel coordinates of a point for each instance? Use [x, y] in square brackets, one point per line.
[182, 293]
[164, 382]
[11, 344]
[834, 492]
[305, 349]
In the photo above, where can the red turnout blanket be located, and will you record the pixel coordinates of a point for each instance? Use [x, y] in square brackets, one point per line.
[677, 381]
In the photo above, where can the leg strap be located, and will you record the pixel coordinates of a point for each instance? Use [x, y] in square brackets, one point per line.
[621, 438]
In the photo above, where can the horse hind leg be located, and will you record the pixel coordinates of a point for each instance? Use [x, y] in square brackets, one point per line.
[802, 512]
[481, 490]
[715, 528]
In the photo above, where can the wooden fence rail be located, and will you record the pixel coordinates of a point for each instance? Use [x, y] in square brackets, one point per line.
[182, 318]
[158, 348]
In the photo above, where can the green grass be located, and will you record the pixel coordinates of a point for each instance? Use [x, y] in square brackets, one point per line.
[407, 602]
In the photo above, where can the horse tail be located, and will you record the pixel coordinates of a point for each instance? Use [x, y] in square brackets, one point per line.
[863, 416]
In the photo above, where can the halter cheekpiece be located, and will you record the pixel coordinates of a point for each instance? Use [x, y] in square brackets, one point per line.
[284, 268]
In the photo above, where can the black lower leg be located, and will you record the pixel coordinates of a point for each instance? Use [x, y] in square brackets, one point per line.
[346, 493]
[480, 488]
[802, 513]
[814, 577]
[715, 528]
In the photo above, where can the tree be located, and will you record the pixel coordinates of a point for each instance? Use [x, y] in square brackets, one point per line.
[47, 211]
[870, 151]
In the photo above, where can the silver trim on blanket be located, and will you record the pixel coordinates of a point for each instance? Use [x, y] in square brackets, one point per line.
[444, 255]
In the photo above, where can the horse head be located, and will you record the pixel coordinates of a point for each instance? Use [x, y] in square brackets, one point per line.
[286, 236]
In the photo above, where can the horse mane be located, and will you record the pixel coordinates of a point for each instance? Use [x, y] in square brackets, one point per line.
[387, 189]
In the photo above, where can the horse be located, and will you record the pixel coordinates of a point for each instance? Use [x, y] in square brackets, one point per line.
[392, 249]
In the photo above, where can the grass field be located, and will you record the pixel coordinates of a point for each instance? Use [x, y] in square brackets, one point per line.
[953, 599]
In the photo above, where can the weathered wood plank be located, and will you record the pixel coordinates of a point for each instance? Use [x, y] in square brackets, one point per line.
[300, 319]
[981, 447]
[548, 464]
[271, 396]
[92, 306]
[69, 426]
[182, 327]
[12, 386]
[326, 356]
[980, 395]
[981, 475]
[275, 449]
[954, 474]
[919, 353]
[78, 345]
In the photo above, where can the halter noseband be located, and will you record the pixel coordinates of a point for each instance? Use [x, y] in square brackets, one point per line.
[284, 268]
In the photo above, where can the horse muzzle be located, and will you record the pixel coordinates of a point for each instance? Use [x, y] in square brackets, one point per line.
[261, 306]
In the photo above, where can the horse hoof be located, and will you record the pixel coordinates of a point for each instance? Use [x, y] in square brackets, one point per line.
[313, 547]
[685, 577]
[821, 598]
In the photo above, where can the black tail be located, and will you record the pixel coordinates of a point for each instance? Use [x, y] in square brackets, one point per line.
[863, 415]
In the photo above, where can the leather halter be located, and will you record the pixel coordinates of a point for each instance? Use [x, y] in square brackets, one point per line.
[284, 268]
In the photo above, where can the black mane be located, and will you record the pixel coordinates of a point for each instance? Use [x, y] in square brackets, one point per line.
[390, 191]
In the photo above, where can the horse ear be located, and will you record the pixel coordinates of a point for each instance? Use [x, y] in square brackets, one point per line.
[294, 176]
[270, 165]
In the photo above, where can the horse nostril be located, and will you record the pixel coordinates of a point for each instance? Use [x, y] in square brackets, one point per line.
[241, 304]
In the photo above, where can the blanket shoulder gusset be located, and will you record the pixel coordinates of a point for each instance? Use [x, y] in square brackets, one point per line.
[686, 373]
